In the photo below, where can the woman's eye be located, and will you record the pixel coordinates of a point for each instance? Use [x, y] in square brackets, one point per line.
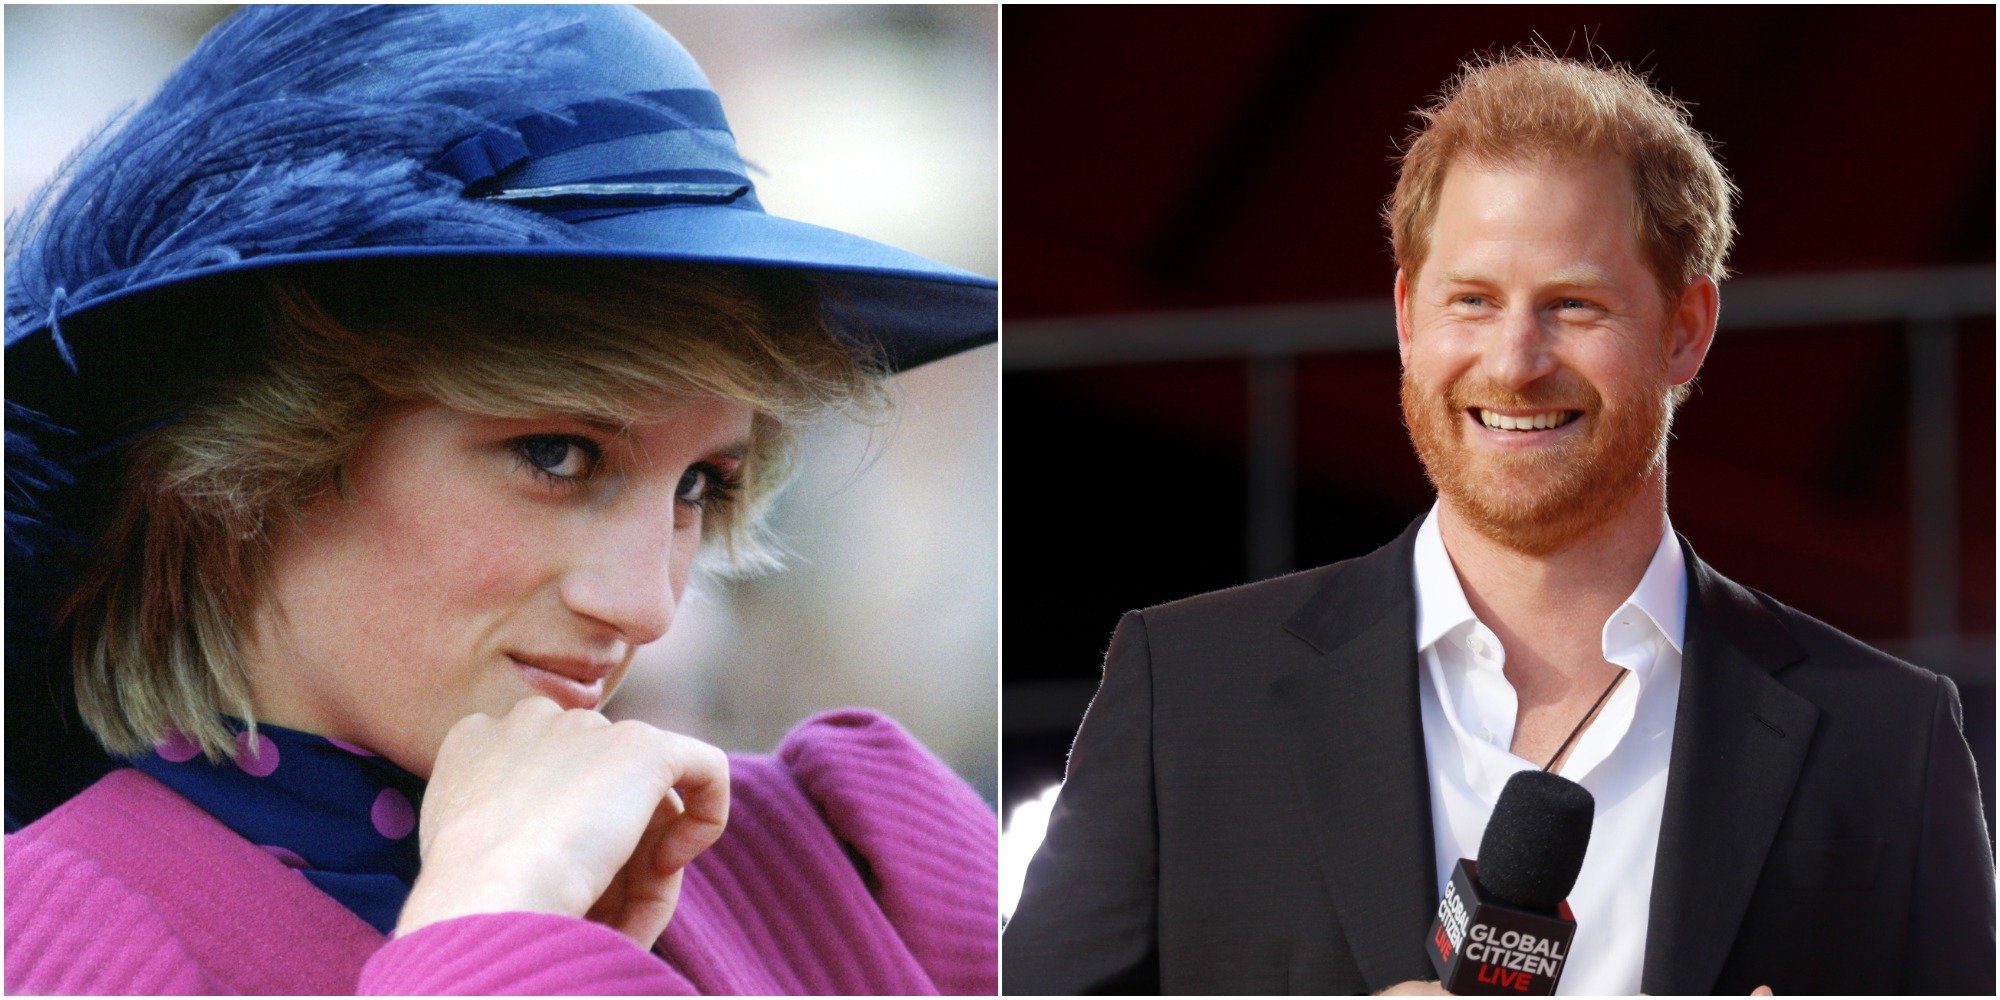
[708, 486]
[559, 457]
[694, 486]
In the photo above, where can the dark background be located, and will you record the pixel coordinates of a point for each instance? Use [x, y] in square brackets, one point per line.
[1181, 165]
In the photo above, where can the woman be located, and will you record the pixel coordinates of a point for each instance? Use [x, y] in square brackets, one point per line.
[373, 393]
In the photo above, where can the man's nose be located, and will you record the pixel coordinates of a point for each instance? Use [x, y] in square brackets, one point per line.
[624, 577]
[1520, 349]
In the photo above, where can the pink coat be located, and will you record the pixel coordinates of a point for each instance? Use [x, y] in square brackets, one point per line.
[128, 888]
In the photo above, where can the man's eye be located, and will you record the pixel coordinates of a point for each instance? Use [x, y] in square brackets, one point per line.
[559, 457]
[1574, 304]
[1472, 300]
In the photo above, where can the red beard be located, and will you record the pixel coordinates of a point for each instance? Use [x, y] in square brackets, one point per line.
[1538, 501]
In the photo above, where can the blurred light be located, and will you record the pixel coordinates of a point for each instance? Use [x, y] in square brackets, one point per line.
[70, 68]
[1019, 840]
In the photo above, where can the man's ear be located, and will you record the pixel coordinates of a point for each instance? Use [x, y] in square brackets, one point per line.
[1692, 329]
[1402, 318]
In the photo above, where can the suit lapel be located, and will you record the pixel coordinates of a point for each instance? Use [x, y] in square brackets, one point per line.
[1740, 741]
[1355, 731]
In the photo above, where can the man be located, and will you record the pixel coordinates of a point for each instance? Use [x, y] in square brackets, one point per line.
[1274, 781]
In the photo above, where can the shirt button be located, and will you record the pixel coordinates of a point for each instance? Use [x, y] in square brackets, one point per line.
[1486, 734]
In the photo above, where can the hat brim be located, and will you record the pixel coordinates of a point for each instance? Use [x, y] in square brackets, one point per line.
[916, 309]
[123, 346]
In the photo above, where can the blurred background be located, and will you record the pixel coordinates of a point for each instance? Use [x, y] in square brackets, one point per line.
[1201, 371]
[880, 121]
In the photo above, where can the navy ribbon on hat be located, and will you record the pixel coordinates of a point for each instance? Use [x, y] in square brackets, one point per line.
[607, 156]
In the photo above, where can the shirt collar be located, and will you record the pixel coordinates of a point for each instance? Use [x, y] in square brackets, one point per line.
[1441, 605]
[1662, 593]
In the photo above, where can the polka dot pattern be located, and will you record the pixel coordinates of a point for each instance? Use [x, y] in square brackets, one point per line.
[178, 748]
[351, 748]
[257, 760]
[393, 815]
[291, 859]
[299, 795]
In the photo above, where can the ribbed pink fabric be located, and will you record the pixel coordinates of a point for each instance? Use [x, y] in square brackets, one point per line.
[854, 863]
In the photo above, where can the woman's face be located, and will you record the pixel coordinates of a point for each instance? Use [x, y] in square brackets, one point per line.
[477, 561]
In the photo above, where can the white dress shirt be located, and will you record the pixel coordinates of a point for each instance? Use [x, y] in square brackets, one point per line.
[1469, 709]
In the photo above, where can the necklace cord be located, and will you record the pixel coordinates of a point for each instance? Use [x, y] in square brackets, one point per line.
[1594, 706]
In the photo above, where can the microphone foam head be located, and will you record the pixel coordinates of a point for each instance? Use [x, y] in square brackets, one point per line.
[1533, 846]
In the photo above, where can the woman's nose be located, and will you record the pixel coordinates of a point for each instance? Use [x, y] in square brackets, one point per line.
[629, 575]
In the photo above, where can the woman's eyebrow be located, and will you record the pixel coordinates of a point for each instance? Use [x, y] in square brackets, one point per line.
[613, 427]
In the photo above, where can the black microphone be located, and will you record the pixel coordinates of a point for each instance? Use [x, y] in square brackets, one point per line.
[1503, 926]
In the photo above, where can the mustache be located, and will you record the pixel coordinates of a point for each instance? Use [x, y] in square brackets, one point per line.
[1563, 394]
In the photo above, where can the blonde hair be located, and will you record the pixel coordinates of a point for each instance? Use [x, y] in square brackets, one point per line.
[1529, 106]
[160, 619]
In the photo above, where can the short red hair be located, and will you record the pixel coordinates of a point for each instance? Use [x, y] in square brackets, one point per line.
[1530, 106]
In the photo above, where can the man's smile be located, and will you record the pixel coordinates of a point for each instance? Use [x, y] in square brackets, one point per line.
[1520, 420]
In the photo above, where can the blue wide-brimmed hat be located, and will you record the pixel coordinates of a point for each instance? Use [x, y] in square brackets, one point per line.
[329, 136]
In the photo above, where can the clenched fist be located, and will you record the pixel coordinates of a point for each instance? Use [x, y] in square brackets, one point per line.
[566, 812]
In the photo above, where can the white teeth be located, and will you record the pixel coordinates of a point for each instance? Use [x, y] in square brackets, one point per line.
[1537, 422]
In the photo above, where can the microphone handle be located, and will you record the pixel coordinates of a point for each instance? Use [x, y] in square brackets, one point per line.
[1481, 946]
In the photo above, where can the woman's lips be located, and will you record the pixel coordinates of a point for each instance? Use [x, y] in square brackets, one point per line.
[569, 683]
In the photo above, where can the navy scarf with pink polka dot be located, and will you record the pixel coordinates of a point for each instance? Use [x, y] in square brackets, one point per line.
[344, 817]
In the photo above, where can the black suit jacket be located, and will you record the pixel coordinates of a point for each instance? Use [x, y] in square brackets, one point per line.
[1247, 808]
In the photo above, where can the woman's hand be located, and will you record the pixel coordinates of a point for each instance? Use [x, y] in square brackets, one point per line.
[565, 812]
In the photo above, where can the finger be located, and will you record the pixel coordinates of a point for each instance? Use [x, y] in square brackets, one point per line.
[535, 707]
[650, 858]
[1762, 991]
[641, 900]
[702, 781]
[470, 730]
[693, 775]
[645, 917]
[1416, 988]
